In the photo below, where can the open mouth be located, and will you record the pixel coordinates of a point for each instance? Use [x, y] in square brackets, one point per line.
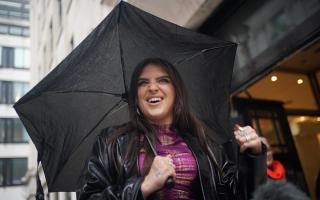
[154, 100]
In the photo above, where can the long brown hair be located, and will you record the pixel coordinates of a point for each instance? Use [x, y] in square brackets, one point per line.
[183, 118]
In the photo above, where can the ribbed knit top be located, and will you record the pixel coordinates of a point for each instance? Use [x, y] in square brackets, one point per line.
[168, 141]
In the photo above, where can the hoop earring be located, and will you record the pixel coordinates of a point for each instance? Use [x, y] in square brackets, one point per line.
[138, 112]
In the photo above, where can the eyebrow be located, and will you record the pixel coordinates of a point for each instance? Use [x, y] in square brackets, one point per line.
[160, 77]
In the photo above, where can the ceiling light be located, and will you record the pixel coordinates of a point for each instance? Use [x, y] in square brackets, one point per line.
[274, 78]
[302, 119]
[299, 81]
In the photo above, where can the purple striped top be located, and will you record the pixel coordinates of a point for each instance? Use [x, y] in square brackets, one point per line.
[168, 141]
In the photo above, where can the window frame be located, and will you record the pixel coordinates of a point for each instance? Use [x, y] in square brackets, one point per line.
[9, 131]
[7, 171]
[8, 93]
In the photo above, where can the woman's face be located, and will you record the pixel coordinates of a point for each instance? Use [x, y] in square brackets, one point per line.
[156, 95]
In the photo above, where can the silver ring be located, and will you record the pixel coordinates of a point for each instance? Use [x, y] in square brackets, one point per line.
[158, 174]
[247, 137]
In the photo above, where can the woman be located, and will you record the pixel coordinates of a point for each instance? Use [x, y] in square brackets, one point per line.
[163, 140]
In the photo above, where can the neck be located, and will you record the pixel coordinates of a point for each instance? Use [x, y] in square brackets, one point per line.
[162, 126]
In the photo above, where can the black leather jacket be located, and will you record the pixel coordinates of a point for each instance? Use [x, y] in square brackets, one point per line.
[217, 176]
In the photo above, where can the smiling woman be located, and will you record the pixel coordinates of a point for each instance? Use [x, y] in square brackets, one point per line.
[164, 141]
[156, 95]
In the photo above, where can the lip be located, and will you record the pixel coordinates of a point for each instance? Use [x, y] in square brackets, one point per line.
[149, 103]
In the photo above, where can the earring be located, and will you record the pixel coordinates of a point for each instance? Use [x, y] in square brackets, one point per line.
[138, 112]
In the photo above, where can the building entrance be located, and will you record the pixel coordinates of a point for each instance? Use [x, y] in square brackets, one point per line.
[270, 121]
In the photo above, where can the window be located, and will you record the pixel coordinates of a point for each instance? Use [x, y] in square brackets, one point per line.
[14, 57]
[10, 92]
[6, 57]
[4, 29]
[21, 58]
[12, 131]
[12, 170]
[15, 9]
[14, 30]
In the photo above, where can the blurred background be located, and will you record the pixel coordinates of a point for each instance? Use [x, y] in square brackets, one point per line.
[275, 87]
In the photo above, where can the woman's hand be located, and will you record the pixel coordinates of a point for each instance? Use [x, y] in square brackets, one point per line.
[247, 138]
[161, 169]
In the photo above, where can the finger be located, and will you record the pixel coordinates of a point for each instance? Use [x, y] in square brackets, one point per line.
[243, 147]
[253, 136]
[236, 127]
[242, 139]
[173, 174]
[238, 140]
[237, 132]
[248, 129]
[249, 144]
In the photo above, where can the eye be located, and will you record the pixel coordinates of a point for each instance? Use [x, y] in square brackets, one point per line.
[164, 80]
[142, 82]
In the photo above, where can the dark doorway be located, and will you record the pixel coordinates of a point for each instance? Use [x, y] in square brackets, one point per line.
[270, 121]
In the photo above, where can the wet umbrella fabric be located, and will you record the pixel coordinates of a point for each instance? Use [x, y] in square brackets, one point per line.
[86, 92]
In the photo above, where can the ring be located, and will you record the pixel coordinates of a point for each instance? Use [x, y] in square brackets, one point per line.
[247, 137]
[158, 174]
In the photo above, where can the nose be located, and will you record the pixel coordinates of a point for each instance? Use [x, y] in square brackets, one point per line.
[153, 86]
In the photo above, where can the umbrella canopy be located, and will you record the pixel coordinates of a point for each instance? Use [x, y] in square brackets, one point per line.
[86, 92]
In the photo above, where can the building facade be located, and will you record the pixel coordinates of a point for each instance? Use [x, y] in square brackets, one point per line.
[14, 83]
[276, 78]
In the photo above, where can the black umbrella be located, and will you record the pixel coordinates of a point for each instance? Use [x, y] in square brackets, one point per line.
[86, 92]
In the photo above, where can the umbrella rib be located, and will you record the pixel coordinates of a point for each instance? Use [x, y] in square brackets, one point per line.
[83, 91]
[121, 54]
[200, 52]
[83, 139]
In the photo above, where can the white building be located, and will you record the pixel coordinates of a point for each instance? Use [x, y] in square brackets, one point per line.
[58, 26]
[14, 82]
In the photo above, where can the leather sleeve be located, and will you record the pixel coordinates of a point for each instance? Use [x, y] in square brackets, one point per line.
[230, 184]
[252, 172]
[102, 181]
[226, 174]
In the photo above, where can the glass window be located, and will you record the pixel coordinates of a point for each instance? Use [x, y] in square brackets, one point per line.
[19, 90]
[12, 131]
[3, 92]
[1, 57]
[14, 9]
[21, 58]
[2, 131]
[270, 129]
[12, 170]
[306, 135]
[14, 57]
[15, 30]
[18, 170]
[10, 92]
[26, 32]
[18, 58]
[4, 29]
[19, 132]
[1, 173]
[7, 55]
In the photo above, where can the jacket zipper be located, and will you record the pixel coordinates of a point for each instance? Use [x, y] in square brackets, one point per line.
[199, 173]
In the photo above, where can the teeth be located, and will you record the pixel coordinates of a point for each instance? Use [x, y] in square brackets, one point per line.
[153, 100]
